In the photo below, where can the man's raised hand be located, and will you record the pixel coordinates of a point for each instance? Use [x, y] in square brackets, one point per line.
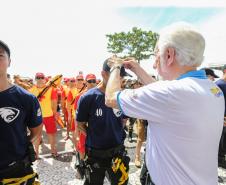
[115, 61]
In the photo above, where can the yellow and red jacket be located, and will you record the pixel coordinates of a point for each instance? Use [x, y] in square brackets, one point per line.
[46, 99]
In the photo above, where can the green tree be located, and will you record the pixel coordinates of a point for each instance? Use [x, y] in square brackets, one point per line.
[136, 43]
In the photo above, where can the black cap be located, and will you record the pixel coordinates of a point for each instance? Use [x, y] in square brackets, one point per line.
[210, 72]
[122, 71]
[5, 47]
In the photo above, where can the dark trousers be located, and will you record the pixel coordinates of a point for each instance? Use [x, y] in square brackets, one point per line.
[98, 169]
[131, 124]
[222, 149]
[145, 178]
[19, 169]
[99, 164]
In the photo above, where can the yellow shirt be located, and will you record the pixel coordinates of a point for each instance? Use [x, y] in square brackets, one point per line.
[71, 97]
[46, 100]
[65, 91]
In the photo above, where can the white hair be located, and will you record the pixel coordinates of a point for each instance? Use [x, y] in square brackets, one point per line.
[188, 43]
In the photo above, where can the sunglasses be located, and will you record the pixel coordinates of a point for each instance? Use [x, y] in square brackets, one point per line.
[80, 80]
[91, 81]
[39, 78]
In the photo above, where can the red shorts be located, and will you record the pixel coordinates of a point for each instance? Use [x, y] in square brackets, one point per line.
[50, 124]
[72, 126]
[81, 143]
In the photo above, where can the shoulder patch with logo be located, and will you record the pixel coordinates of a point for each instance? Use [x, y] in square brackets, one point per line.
[39, 112]
[117, 112]
[9, 114]
[216, 91]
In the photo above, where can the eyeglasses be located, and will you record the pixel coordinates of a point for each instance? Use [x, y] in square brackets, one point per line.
[39, 78]
[80, 80]
[91, 81]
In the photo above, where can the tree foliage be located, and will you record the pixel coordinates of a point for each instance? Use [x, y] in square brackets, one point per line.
[136, 43]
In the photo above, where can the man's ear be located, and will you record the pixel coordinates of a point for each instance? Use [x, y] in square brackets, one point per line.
[170, 56]
[9, 62]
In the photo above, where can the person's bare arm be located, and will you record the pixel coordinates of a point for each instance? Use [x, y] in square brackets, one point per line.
[114, 85]
[35, 133]
[82, 126]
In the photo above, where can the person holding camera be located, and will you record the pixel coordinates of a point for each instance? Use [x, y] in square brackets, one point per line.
[183, 129]
[19, 111]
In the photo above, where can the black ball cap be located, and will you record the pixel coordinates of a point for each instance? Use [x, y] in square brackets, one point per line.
[5, 47]
[122, 71]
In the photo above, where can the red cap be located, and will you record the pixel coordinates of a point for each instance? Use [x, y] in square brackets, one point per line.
[90, 77]
[66, 79]
[80, 77]
[39, 75]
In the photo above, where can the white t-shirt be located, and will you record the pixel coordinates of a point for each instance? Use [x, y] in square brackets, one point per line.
[185, 123]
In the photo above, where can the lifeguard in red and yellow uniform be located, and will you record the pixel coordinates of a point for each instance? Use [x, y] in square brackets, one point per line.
[81, 137]
[76, 86]
[47, 97]
[65, 88]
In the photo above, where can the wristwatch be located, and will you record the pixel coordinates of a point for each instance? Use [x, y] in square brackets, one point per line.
[115, 67]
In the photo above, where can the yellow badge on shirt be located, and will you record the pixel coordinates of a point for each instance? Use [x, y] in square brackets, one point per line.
[216, 91]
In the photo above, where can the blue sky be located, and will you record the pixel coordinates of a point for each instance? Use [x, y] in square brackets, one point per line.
[209, 20]
[65, 37]
[158, 17]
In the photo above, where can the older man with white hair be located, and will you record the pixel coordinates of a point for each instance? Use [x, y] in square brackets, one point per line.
[183, 129]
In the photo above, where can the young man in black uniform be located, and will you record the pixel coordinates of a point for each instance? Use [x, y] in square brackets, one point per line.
[19, 110]
[105, 150]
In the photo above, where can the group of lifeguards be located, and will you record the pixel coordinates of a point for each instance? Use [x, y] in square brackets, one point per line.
[67, 94]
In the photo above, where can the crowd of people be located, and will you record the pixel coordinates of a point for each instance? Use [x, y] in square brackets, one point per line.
[182, 144]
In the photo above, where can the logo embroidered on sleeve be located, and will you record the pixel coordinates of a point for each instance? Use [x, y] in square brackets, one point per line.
[117, 112]
[39, 112]
[216, 91]
[9, 114]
